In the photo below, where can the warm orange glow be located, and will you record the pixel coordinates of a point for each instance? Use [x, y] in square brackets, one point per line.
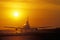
[40, 12]
[16, 14]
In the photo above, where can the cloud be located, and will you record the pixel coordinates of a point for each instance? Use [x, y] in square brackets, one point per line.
[56, 2]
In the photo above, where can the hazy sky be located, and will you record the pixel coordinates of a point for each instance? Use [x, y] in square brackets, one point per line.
[40, 12]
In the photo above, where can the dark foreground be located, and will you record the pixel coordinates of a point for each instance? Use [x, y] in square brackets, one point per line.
[52, 34]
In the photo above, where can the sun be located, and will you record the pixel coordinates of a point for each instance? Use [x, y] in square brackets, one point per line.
[16, 14]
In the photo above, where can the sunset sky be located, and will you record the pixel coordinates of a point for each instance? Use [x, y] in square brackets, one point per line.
[40, 12]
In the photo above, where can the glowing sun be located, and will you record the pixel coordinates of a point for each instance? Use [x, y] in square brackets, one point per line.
[16, 14]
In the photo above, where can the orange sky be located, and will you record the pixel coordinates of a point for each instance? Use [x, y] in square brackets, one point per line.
[40, 12]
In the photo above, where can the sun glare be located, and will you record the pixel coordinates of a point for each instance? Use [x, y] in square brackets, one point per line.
[16, 14]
